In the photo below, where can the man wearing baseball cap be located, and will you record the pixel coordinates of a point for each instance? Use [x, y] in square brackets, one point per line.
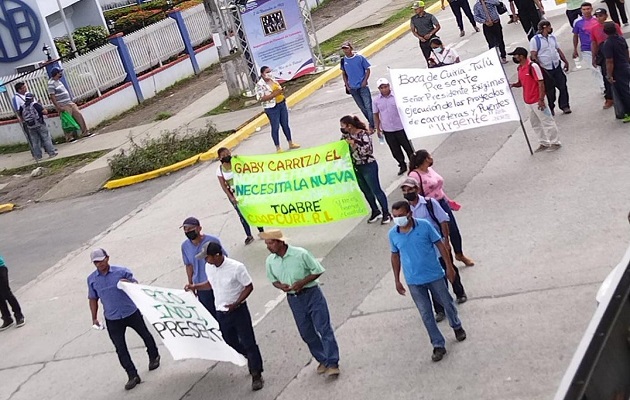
[388, 123]
[598, 37]
[356, 72]
[120, 313]
[295, 271]
[424, 26]
[62, 100]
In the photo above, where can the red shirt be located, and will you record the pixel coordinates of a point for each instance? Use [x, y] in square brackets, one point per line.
[597, 32]
[529, 75]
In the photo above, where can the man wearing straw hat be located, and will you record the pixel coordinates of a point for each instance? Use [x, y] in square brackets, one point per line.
[295, 271]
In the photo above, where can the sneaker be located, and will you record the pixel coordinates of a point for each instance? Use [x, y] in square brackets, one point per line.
[154, 364]
[625, 24]
[566, 110]
[540, 148]
[257, 382]
[279, 150]
[462, 33]
[554, 147]
[402, 170]
[386, 219]
[6, 325]
[438, 354]
[293, 146]
[504, 60]
[321, 368]
[53, 155]
[462, 300]
[249, 239]
[332, 371]
[19, 322]
[439, 317]
[460, 334]
[608, 104]
[626, 118]
[132, 382]
[375, 217]
[88, 135]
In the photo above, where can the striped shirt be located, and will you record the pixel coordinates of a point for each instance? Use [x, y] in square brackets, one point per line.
[59, 90]
[480, 13]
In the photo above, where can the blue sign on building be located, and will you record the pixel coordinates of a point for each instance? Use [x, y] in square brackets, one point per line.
[20, 30]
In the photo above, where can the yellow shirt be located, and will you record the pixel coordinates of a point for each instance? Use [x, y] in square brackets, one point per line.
[274, 86]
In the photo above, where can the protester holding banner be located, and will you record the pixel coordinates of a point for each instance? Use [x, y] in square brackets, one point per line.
[389, 124]
[413, 242]
[232, 285]
[440, 55]
[120, 313]
[196, 269]
[486, 13]
[424, 26]
[530, 78]
[431, 185]
[271, 95]
[615, 50]
[356, 72]
[355, 133]
[295, 271]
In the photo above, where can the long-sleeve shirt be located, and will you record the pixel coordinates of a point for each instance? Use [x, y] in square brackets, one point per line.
[362, 152]
[480, 13]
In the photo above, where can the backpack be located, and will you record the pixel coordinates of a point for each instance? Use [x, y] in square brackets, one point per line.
[30, 115]
[342, 67]
[429, 202]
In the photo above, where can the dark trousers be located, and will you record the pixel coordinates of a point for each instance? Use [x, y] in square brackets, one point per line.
[622, 88]
[279, 116]
[494, 37]
[453, 230]
[558, 80]
[426, 49]
[238, 332]
[529, 22]
[608, 95]
[457, 7]
[248, 230]
[117, 328]
[206, 298]
[312, 318]
[458, 288]
[367, 178]
[397, 142]
[613, 5]
[6, 296]
[572, 15]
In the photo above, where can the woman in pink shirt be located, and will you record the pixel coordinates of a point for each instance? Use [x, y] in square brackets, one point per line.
[432, 186]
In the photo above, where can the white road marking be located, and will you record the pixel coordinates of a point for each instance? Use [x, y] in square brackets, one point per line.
[271, 304]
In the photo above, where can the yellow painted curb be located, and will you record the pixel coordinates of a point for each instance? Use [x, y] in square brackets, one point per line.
[237, 137]
[6, 207]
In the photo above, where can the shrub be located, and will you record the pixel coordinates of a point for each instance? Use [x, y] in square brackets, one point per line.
[86, 38]
[163, 115]
[165, 150]
[133, 18]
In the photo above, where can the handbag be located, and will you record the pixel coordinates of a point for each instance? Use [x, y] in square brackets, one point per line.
[501, 8]
[68, 123]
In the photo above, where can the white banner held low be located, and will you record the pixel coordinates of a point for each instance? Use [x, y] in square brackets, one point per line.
[183, 323]
[466, 95]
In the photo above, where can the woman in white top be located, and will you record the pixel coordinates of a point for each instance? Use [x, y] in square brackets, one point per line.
[440, 55]
[226, 180]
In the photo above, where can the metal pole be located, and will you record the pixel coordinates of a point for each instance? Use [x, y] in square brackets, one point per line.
[65, 22]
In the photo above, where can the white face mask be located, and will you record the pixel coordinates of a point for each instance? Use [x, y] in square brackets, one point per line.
[438, 50]
[401, 221]
[267, 75]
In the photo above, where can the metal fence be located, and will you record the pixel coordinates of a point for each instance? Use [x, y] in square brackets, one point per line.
[37, 83]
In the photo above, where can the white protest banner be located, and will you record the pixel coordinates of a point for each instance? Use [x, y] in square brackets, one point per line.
[469, 94]
[184, 325]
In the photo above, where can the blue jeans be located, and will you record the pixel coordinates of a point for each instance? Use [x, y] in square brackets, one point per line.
[238, 332]
[279, 116]
[453, 229]
[367, 178]
[363, 99]
[248, 230]
[312, 318]
[439, 291]
[40, 138]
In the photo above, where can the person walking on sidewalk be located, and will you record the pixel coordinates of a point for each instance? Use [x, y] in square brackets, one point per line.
[271, 95]
[582, 36]
[388, 124]
[32, 113]
[529, 13]
[615, 50]
[232, 285]
[599, 60]
[196, 269]
[355, 133]
[531, 79]
[295, 271]
[413, 242]
[226, 180]
[7, 297]
[356, 72]
[457, 6]
[424, 26]
[120, 313]
[62, 101]
[440, 55]
[613, 5]
[486, 13]
[17, 101]
[546, 52]
[431, 185]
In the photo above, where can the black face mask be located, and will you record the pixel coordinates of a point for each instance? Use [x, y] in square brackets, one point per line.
[343, 130]
[550, 31]
[516, 60]
[411, 196]
[226, 159]
[192, 235]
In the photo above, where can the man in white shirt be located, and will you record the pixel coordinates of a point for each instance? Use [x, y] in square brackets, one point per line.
[232, 284]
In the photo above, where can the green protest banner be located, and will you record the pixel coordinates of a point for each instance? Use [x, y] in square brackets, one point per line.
[297, 188]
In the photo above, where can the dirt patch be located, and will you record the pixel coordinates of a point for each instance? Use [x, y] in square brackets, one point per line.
[331, 10]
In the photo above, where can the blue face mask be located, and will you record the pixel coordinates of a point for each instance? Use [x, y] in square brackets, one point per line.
[438, 50]
[401, 221]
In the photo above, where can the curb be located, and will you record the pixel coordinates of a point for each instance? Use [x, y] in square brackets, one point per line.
[237, 137]
[4, 208]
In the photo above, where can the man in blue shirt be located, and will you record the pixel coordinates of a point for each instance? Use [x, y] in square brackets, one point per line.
[486, 13]
[412, 244]
[6, 296]
[356, 72]
[196, 269]
[120, 313]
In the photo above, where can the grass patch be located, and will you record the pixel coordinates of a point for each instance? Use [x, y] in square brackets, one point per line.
[14, 148]
[163, 115]
[165, 150]
[57, 164]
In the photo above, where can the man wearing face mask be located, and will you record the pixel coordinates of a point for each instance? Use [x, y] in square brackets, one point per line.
[430, 210]
[412, 244]
[196, 269]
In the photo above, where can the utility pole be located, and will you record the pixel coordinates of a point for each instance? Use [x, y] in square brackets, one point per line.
[65, 23]
[229, 62]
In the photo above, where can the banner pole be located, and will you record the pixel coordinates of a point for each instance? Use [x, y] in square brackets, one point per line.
[520, 117]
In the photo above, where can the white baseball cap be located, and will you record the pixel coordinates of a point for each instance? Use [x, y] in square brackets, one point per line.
[382, 81]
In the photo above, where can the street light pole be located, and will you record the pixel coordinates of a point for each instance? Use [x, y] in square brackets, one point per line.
[65, 22]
